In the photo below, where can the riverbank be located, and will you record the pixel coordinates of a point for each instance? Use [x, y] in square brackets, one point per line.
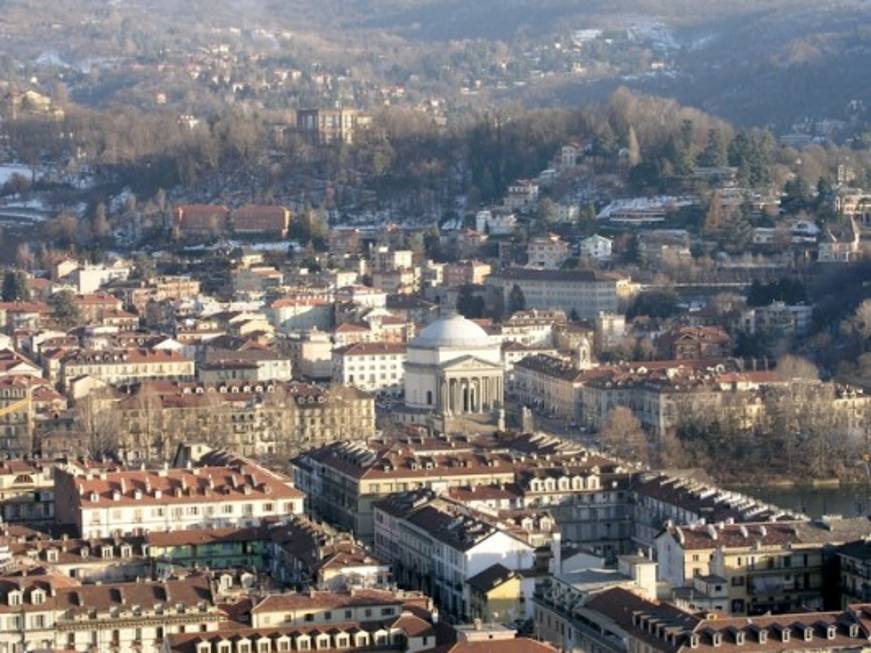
[813, 498]
[817, 483]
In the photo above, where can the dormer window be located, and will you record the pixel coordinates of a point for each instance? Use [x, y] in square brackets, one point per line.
[854, 630]
[694, 641]
[808, 634]
[739, 638]
[784, 635]
[831, 632]
[51, 555]
[14, 597]
[717, 639]
[204, 647]
[763, 636]
[37, 597]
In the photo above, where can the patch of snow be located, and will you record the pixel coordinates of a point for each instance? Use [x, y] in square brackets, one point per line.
[9, 169]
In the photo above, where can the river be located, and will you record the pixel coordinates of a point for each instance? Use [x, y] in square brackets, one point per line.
[848, 500]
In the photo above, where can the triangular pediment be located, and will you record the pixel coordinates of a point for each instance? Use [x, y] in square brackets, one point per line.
[469, 363]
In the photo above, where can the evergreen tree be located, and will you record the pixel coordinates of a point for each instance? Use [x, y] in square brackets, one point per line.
[516, 299]
[63, 309]
[15, 286]
[716, 151]
[469, 305]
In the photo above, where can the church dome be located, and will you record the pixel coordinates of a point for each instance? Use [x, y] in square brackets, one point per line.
[454, 331]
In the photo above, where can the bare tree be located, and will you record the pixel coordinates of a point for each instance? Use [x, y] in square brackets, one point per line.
[97, 419]
[623, 435]
[790, 367]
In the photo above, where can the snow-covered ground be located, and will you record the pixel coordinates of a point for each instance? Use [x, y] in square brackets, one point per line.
[9, 169]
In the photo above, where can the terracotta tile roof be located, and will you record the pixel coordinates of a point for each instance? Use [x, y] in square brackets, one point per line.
[314, 600]
[201, 484]
[123, 357]
[199, 536]
[516, 645]
[371, 348]
[24, 307]
[776, 534]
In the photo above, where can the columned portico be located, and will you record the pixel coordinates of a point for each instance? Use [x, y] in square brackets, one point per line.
[470, 394]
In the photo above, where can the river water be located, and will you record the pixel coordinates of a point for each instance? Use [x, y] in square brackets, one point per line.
[848, 501]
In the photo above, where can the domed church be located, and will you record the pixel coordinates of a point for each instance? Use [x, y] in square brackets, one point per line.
[454, 369]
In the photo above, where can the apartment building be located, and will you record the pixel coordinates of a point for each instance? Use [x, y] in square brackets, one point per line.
[662, 394]
[596, 248]
[588, 495]
[567, 606]
[90, 278]
[93, 307]
[404, 281]
[372, 367]
[129, 502]
[465, 273]
[777, 319]
[302, 311]
[436, 546]
[550, 384]
[93, 560]
[331, 125]
[854, 562]
[584, 293]
[620, 621]
[660, 500]
[52, 613]
[855, 204]
[326, 607]
[382, 626]
[254, 220]
[159, 289]
[695, 343]
[521, 194]
[495, 223]
[26, 490]
[764, 566]
[547, 252]
[248, 417]
[200, 220]
[303, 553]
[269, 364]
[344, 479]
[532, 327]
[126, 366]
[16, 424]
